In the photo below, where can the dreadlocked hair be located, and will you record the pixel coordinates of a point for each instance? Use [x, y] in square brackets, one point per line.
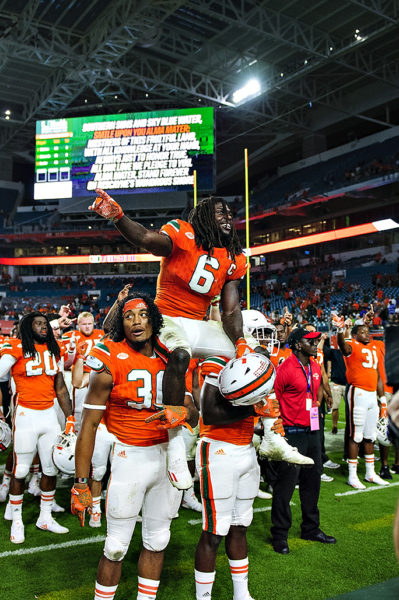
[25, 334]
[207, 233]
[116, 332]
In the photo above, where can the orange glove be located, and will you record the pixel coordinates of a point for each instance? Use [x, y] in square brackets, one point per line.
[242, 347]
[269, 408]
[170, 417]
[106, 207]
[81, 500]
[278, 427]
[70, 424]
[383, 407]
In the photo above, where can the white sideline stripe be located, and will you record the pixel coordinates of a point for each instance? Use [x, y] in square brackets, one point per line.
[81, 542]
[370, 489]
[256, 510]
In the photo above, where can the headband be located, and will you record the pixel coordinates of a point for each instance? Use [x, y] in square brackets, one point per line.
[133, 304]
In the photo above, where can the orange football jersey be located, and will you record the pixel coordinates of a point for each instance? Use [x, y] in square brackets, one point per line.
[240, 432]
[189, 278]
[136, 392]
[89, 340]
[362, 365]
[33, 376]
[283, 353]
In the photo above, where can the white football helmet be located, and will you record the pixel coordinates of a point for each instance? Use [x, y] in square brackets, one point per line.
[64, 453]
[246, 380]
[258, 325]
[382, 431]
[5, 436]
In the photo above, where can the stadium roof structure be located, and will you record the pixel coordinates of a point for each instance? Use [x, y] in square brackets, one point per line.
[325, 69]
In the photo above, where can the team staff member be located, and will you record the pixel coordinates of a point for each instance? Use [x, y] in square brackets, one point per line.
[361, 357]
[299, 393]
[126, 388]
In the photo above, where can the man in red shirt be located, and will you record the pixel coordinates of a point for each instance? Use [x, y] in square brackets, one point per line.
[299, 393]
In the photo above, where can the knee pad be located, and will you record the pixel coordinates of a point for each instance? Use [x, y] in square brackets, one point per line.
[98, 472]
[21, 471]
[115, 549]
[156, 541]
[358, 437]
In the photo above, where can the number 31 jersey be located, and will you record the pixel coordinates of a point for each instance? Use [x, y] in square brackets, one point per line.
[189, 278]
[136, 392]
[362, 365]
[33, 376]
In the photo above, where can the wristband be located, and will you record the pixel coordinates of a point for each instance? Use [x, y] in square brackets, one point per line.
[80, 480]
[383, 400]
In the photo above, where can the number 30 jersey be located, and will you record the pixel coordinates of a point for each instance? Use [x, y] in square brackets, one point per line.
[136, 392]
[189, 278]
[362, 365]
[33, 376]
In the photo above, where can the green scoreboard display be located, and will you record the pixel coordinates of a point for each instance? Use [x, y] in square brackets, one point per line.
[126, 153]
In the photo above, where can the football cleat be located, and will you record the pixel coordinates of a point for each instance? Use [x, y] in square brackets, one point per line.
[326, 478]
[356, 483]
[95, 519]
[176, 462]
[17, 532]
[34, 485]
[47, 523]
[8, 512]
[4, 489]
[274, 447]
[56, 508]
[329, 464]
[264, 495]
[376, 479]
[191, 502]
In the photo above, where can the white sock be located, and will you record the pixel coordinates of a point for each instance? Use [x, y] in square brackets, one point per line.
[147, 589]
[104, 592]
[16, 506]
[352, 467]
[96, 506]
[369, 460]
[203, 584]
[239, 575]
[46, 503]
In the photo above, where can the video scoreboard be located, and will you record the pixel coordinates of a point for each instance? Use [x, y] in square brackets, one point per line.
[125, 153]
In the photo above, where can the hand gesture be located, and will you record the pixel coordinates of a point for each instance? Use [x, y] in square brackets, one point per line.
[170, 417]
[124, 292]
[106, 207]
[81, 500]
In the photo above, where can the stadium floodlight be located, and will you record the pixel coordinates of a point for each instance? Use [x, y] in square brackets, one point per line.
[251, 89]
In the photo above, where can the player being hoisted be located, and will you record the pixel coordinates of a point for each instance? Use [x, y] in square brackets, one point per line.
[201, 259]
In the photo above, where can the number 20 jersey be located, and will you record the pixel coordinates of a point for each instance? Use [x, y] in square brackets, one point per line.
[33, 376]
[136, 392]
[189, 279]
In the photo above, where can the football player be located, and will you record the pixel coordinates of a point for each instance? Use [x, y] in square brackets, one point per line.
[227, 464]
[201, 259]
[126, 388]
[33, 360]
[361, 357]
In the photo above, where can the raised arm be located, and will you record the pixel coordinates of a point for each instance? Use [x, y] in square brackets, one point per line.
[133, 232]
[216, 410]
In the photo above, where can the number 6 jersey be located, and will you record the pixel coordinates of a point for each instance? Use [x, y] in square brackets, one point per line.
[33, 375]
[189, 278]
[136, 392]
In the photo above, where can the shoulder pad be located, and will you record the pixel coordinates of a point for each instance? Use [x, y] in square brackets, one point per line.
[94, 363]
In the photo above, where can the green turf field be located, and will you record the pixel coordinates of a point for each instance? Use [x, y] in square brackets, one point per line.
[363, 555]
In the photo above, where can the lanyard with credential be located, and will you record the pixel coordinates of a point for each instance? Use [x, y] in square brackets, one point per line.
[308, 377]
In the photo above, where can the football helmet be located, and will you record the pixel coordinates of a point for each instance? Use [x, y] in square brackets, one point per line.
[246, 380]
[64, 453]
[382, 431]
[5, 436]
[258, 325]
